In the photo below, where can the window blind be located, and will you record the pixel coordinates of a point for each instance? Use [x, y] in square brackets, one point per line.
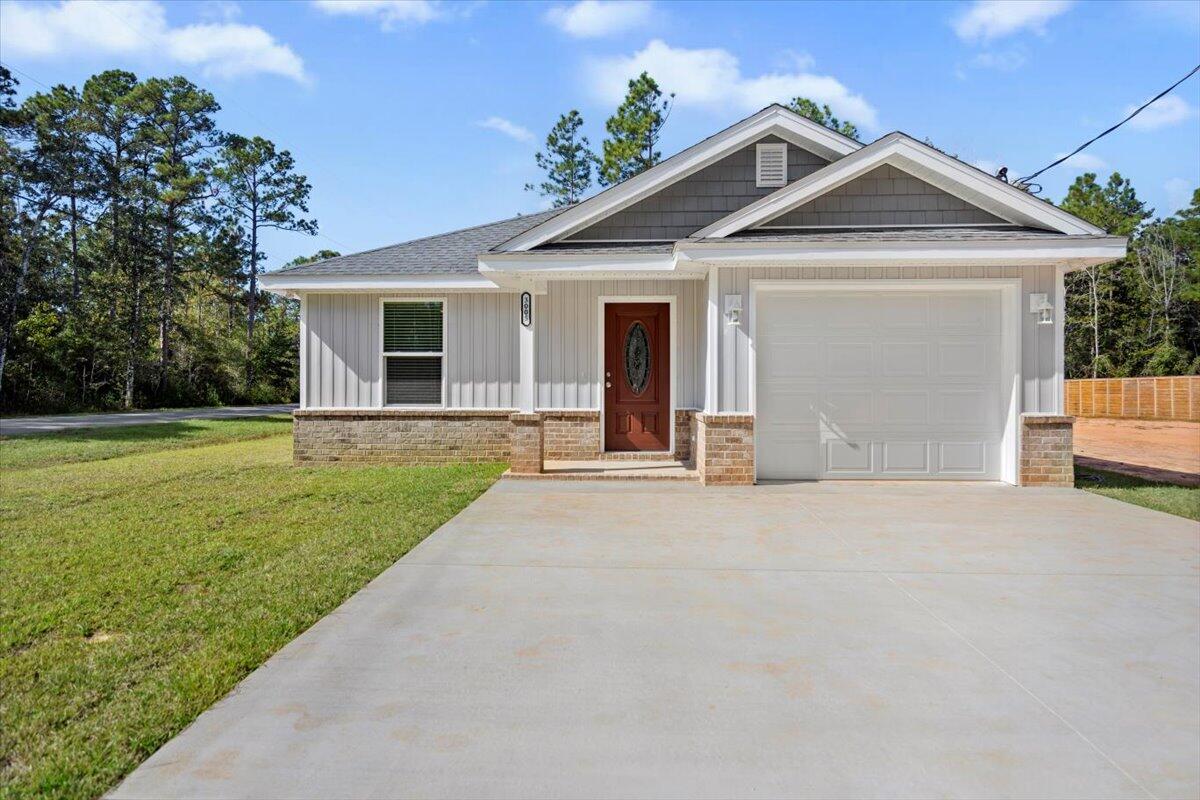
[412, 346]
[412, 327]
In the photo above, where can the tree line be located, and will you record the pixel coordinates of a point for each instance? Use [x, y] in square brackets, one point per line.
[130, 233]
[1137, 316]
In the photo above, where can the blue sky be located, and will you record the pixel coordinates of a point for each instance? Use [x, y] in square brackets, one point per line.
[412, 118]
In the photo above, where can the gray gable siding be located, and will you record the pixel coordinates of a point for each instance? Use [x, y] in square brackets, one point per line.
[702, 198]
[884, 196]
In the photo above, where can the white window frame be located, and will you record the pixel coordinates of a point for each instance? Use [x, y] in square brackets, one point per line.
[384, 355]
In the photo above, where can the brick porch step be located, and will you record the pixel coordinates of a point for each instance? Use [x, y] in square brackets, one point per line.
[621, 470]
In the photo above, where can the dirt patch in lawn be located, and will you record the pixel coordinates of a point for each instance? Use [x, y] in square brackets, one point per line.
[1151, 449]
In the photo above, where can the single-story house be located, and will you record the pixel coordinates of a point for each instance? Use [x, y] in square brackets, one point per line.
[777, 301]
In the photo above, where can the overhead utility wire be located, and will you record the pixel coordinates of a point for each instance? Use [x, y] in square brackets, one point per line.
[1139, 110]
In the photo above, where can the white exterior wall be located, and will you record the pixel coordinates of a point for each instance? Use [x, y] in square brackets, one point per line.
[1040, 364]
[341, 354]
[568, 339]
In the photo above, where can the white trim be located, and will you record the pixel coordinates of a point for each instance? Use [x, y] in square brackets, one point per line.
[282, 284]
[1060, 338]
[1079, 250]
[921, 161]
[303, 351]
[384, 354]
[773, 120]
[879, 227]
[1010, 341]
[712, 339]
[602, 301]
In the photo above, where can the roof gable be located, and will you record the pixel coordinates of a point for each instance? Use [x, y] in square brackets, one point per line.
[918, 160]
[771, 121]
[885, 195]
[688, 204]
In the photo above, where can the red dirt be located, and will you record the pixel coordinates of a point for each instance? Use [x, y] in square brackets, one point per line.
[1152, 449]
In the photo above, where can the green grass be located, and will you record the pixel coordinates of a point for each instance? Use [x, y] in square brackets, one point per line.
[95, 444]
[1182, 501]
[137, 590]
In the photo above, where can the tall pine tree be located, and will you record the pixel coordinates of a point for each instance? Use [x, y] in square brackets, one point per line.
[633, 131]
[567, 162]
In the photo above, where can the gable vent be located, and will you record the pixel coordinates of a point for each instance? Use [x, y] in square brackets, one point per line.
[771, 164]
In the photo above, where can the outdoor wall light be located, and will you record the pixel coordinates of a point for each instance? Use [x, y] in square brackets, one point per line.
[733, 309]
[1040, 304]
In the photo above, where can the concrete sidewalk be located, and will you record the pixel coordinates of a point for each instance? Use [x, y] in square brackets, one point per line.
[20, 426]
[561, 639]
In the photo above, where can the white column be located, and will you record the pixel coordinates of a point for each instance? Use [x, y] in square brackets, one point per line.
[712, 329]
[527, 391]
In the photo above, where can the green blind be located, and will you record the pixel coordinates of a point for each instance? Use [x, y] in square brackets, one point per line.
[412, 327]
[414, 380]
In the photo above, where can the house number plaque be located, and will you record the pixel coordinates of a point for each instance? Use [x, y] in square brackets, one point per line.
[526, 309]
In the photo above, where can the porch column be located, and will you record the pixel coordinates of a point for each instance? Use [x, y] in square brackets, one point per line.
[527, 433]
[527, 392]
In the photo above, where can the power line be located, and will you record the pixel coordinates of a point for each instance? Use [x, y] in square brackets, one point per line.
[1139, 110]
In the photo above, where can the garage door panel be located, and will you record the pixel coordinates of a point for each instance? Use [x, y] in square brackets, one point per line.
[849, 359]
[848, 458]
[904, 407]
[889, 385]
[904, 359]
[904, 312]
[907, 458]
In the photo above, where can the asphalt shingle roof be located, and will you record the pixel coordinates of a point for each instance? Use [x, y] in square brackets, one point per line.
[443, 254]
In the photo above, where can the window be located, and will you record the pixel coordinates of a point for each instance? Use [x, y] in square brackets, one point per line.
[412, 353]
[771, 164]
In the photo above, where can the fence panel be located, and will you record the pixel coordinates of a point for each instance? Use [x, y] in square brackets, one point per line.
[1173, 398]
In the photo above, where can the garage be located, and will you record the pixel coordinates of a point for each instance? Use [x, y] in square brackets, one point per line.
[885, 380]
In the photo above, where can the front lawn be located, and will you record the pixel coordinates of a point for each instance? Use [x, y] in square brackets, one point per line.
[137, 590]
[1182, 501]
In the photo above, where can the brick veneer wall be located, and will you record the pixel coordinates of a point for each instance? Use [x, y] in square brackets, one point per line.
[528, 443]
[685, 421]
[724, 445]
[400, 436]
[571, 435]
[1046, 450]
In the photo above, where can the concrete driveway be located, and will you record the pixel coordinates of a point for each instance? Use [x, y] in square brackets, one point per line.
[811, 640]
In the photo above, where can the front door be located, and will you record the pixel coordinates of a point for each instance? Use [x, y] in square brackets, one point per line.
[637, 376]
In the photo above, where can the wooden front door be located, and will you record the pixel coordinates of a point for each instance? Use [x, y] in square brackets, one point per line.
[637, 376]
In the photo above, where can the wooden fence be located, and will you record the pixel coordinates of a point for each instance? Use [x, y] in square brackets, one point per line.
[1176, 398]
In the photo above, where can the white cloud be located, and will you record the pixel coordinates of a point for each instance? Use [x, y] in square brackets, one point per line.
[508, 128]
[589, 19]
[713, 79]
[1085, 161]
[1179, 193]
[1000, 60]
[388, 13]
[1170, 110]
[140, 28]
[994, 19]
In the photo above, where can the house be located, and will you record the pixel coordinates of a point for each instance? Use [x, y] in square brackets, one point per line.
[777, 301]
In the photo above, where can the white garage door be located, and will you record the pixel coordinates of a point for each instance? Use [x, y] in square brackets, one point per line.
[888, 384]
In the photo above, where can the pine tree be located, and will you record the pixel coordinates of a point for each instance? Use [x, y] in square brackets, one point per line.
[823, 115]
[633, 131]
[567, 162]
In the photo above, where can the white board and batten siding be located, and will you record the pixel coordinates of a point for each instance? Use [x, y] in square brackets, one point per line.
[568, 339]
[342, 345]
[1039, 365]
[342, 350]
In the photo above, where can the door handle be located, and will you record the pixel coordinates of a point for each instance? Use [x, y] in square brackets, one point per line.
[607, 385]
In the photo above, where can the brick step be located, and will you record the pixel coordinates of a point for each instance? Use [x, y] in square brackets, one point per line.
[612, 471]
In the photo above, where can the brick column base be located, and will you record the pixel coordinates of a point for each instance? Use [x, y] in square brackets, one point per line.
[724, 449]
[1047, 457]
[527, 440]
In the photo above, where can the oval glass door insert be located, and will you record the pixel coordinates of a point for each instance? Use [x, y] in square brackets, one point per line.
[637, 358]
